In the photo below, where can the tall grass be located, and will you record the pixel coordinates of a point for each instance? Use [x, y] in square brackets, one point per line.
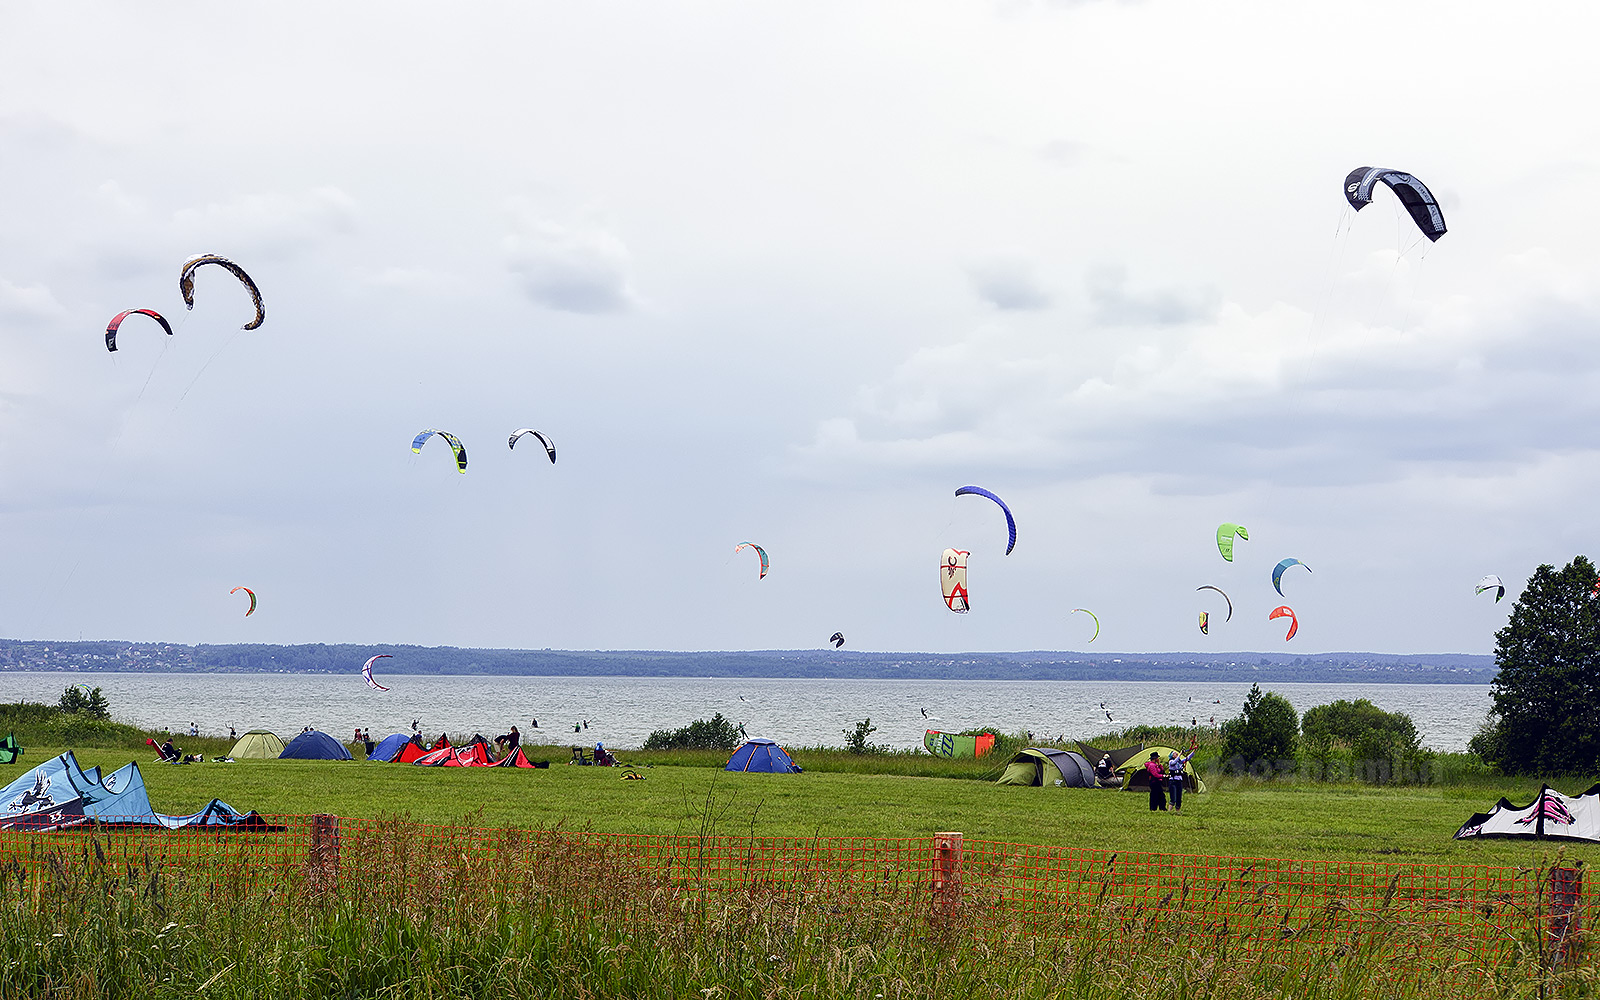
[463, 912]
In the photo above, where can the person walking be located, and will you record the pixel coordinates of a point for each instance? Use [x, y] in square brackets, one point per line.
[1177, 771]
[1158, 779]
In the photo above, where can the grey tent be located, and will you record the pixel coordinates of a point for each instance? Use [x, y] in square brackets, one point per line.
[1046, 765]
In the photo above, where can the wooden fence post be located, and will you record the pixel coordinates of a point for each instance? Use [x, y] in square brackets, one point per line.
[322, 864]
[946, 875]
[1566, 917]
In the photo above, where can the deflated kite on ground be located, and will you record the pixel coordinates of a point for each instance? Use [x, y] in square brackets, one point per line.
[59, 793]
[1551, 814]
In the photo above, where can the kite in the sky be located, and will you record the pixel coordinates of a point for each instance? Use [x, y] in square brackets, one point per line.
[759, 551]
[116, 321]
[252, 594]
[1224, 597]
[1092, 617]
[1225, 535]
[1284, 611]
[1011, 523]
[1277, 573]
[549, 448]
[953, 579]
[1413, 194]
[366, 671]
[837, 639]
[1205, 623]
[1492, 582]
[186, 283]
[454, 442]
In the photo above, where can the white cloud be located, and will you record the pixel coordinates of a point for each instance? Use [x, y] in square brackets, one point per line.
[1007, 282]
[29, 303]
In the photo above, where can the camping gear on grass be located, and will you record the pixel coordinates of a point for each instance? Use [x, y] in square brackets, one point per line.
[314, 745]
[764, 756]
[59, 793]
[955, 745]
[1551, 814]
[257, 744]
[389, 747]
[10, 749]
[1046, 766]
[1135, 776]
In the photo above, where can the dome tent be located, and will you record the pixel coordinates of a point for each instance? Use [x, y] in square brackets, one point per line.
[390, 747]
[762, 755]
[257, 743]
[1042, 765]
[315, 745]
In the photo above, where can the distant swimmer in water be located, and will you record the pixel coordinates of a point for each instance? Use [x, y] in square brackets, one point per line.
[1109, 718]
[576, 727]
[586, 723]
[924, 713]
[536, 723]
[741, 697]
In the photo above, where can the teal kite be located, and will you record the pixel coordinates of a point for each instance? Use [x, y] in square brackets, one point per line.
[1225, 536]
[1277, 573]
[760, 552]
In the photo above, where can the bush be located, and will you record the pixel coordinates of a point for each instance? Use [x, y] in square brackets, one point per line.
[856, 741]
[1264, 730]
[91, 703]
[715, 733]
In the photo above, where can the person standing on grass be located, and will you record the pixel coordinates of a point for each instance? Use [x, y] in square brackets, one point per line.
[1176, 772]
[1158, 778]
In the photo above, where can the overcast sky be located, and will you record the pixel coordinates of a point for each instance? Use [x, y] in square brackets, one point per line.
[791, 273]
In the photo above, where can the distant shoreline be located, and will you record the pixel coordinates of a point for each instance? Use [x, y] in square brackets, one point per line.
[112, 656]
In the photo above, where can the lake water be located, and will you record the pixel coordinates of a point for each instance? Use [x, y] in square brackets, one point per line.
[622, 711]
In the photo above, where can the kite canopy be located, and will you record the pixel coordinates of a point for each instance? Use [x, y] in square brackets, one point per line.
[953, 579]
[315, 745]
[1492, 582]
[1225, 597]
[550, 449]
[1413, 194]
[1277, 573]
[366, 671]
[1205, 623]
[837, 639]
[252, 594]
[1092, 617]
[186, 283]
[1011, 523]
[116, 322]
[1225, 536]
[764, 756]
[450, 439]
[1284, 611]
[955, 745]
[59, 793]
[760, 552]
[1551, 814]
[258, 744]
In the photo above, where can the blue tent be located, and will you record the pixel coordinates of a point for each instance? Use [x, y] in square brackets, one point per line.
[389, 748]
[59, 793]
[315, 745]
[762, 755]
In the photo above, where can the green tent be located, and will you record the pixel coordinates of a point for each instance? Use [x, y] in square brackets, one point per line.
[10, 749]
[259, 743]
[1135, 776]
[1045, 766]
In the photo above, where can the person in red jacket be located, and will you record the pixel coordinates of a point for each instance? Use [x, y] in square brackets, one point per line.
[1158, 780]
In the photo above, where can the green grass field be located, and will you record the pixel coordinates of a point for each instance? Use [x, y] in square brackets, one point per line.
[1238, 817]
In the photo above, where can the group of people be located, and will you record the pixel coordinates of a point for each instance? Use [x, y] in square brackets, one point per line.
[1166, 780]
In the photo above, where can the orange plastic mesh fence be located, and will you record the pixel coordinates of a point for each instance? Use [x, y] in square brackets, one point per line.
[1238, 905]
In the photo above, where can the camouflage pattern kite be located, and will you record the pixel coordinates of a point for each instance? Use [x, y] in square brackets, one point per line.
[186, 283]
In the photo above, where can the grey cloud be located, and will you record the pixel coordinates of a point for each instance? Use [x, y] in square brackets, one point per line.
[1115, 304]
[1007, 283]
[578, 270]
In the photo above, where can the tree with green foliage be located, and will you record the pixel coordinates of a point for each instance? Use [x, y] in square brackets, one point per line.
[855, 740]
[1264, 731]
[93, 703]
[715, 733]
[1545, 717]
[1382, 746]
